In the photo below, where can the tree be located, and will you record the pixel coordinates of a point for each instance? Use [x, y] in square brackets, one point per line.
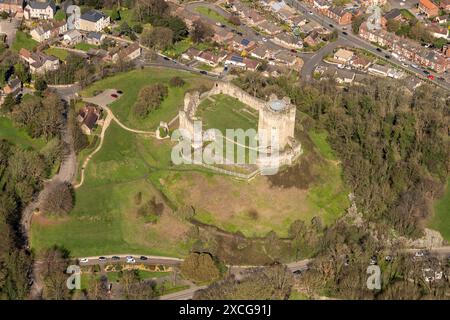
[54, 266]
[270, 283]
[115, 14]
[159, 38]
[200, 31]
[138, 28]
[199, 267]
[150, 97]
[176, 82]
[58, 200]
[356, 23]
[20, 70]
[98, 288]
[40, 84]
[234, 19]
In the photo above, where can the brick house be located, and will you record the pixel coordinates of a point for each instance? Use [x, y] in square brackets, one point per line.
[429, 8]
[339, 14]
[12, 6]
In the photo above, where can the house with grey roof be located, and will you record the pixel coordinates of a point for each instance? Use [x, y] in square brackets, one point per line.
[43, 10]
[95, 38]
[94, 20]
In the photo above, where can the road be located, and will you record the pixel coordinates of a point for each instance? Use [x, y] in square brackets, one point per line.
[151, 260]
[187, 294]
[355, 41]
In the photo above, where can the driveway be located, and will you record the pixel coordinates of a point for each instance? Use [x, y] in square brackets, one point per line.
[10, 28]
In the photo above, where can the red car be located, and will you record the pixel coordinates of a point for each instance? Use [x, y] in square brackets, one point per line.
[431, 77]
[114, 96]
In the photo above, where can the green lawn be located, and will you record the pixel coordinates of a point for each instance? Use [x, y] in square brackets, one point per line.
[407, 14]
[61, 54]
[178, 48]
[85, 46]
[18, 136]
[105, 219]
[441, 217]
[224, 112]
[126, 15]
[131, 82]
[214, 16]
[60, 15]
[320, 140]
[23, 40]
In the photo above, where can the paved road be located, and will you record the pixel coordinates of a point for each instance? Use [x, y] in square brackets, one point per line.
[357, 42]
[187, 294]
[151, 260]
[318, 56]
[10, 28]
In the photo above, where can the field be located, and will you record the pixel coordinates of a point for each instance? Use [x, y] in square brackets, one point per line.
[18, 136]
[61, 54]
[131, 82]
[105, 219]
[23, 40]
[215, 16]
[441, 217]
[224, 112]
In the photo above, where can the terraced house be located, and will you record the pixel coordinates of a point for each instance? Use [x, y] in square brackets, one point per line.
[12, 6]
[406, 48]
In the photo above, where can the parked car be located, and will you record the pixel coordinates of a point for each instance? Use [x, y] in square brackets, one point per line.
[130, 259]
[311, 13]
[239, 33]
[143, 258]
[331, 25]
[203, 72]
[114, 95]
[387, 56]
[102, 259]
[84, 260]
[115, 258]
[430, 77]
[264, 39]
[165, 58]
[119, 91]
[378, 49]
[426, 72]
[344, 33]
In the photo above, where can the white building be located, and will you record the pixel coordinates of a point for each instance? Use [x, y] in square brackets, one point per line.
[40, 10]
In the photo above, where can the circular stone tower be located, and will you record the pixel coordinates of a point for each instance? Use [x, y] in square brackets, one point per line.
[276, 122]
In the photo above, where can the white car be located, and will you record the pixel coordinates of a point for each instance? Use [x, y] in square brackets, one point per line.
[130, 259]
[84, 260]
[311, 13]
[264, 39]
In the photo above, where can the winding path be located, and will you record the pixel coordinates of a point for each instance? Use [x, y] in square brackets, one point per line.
[102, 100]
